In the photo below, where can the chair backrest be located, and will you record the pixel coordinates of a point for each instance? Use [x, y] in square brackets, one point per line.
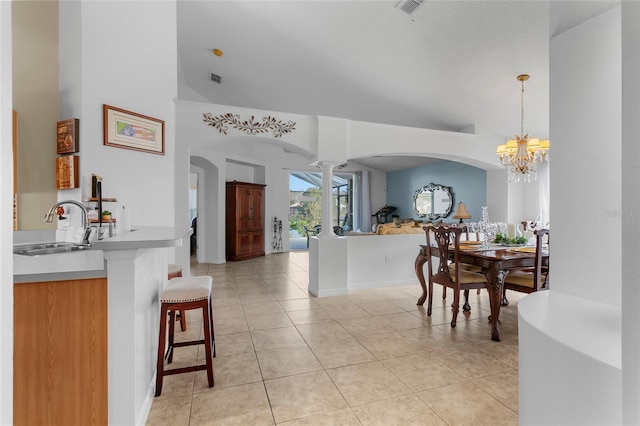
[537, 272]
[446, 239]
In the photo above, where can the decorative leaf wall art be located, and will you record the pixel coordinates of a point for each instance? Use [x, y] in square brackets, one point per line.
[251, 126]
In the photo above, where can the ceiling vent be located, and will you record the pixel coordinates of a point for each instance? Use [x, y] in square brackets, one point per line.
[215, 78]
[409, 6]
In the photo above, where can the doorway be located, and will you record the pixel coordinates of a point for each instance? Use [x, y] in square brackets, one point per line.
[305, 206]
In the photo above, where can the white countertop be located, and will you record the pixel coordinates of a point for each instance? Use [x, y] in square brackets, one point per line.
[90, 263]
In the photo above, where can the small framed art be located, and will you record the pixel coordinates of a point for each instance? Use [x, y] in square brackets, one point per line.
[68, 141]
[126, 129]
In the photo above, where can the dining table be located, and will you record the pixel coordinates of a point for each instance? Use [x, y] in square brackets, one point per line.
[495, 262]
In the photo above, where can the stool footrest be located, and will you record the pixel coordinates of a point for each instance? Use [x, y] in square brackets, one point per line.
[192, 342]
[185, 369]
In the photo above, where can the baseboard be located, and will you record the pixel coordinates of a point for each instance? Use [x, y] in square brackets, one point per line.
[148, 401]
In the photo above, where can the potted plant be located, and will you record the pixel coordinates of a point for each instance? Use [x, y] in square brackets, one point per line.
[106, 215]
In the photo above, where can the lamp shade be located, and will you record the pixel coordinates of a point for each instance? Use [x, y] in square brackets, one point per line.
[461, 212]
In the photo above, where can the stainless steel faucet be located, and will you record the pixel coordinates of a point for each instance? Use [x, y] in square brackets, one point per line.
[85, 223]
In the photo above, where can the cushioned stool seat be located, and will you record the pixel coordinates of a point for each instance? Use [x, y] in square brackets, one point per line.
[184, 293]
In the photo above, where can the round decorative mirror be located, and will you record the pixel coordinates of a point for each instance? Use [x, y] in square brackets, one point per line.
[433, 201]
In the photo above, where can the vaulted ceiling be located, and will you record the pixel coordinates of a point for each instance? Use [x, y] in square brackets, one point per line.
[447, 65]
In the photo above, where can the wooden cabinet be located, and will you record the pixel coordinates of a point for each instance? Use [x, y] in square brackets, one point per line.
[245, 220]
[60, 353]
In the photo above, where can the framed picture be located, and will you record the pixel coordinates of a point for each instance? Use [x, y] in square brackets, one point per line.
[68, 141]
[126, 129]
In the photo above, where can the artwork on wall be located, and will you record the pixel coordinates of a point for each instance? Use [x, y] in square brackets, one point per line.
[67, 172]
[129, 130]
[67, 140]
[251, 126]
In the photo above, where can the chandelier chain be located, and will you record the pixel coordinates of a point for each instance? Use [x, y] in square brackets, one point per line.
[522, 111]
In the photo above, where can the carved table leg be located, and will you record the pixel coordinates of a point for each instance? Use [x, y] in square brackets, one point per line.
[495, 280]
[420, 261]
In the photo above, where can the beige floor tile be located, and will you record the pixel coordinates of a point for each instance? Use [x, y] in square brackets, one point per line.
[303, 395]
[349, 311]
[230, 371]
[298, 304]
[409, 304]
[287, 362]
[176, 385]
[171, 411]
[290, 294]
[309, 316]
[404, 410]
[470, 362]
[264, 340]
[503, 387]
[374, 349]
[340, 353]
[402, 321]
[390, 293]
[506, 350]
[466, 404]
[364, 326]
[232, 344]
[239, 405]
[421, 371]
[431, 339]
[225, 301]
[365, 383]
[364, 296]
[343, 417]
[323, 331]
[230, 326]
[262, 308]
[268, 321]
[224, 312]
[380, 308]
[389, 345]
[250, 299]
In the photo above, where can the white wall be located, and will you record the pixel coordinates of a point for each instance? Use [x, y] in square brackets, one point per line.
[35, 98]
[113, 73]
[6, 218]
[585, 112]
[630, 205]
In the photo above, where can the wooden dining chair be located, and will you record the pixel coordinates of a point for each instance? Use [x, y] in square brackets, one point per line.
[449, 275]
[532, 279]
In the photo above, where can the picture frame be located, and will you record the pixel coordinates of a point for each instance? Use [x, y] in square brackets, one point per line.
[130, 130]
[68, 141]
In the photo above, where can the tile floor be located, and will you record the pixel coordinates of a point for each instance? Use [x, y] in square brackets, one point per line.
[369, 358]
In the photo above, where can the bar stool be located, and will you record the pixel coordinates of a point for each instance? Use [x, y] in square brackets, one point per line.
[182, 294]
[175, 271]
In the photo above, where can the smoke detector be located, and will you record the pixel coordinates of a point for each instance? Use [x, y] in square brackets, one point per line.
[409, 6]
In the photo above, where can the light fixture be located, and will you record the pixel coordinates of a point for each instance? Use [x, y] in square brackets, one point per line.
[461, 212]
[522, 153]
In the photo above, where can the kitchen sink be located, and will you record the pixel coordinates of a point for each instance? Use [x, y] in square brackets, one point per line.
[48, 248]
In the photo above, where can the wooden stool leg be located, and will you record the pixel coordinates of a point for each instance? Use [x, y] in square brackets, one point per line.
[172, 329]
[207, 341]
[183, 320]
[161, 345]
[213, 333]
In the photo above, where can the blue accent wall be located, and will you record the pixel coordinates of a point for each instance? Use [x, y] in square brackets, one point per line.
[467, 184]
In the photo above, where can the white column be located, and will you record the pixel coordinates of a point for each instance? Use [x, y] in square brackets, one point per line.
[327, 201]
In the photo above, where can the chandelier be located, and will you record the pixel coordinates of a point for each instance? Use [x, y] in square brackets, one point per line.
[522, 153]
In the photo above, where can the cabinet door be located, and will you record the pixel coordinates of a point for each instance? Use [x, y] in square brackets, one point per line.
[245, 208]
[257, 209]
[257, 243]
[60, 353]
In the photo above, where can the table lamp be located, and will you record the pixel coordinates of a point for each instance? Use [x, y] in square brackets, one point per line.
[461, 212]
